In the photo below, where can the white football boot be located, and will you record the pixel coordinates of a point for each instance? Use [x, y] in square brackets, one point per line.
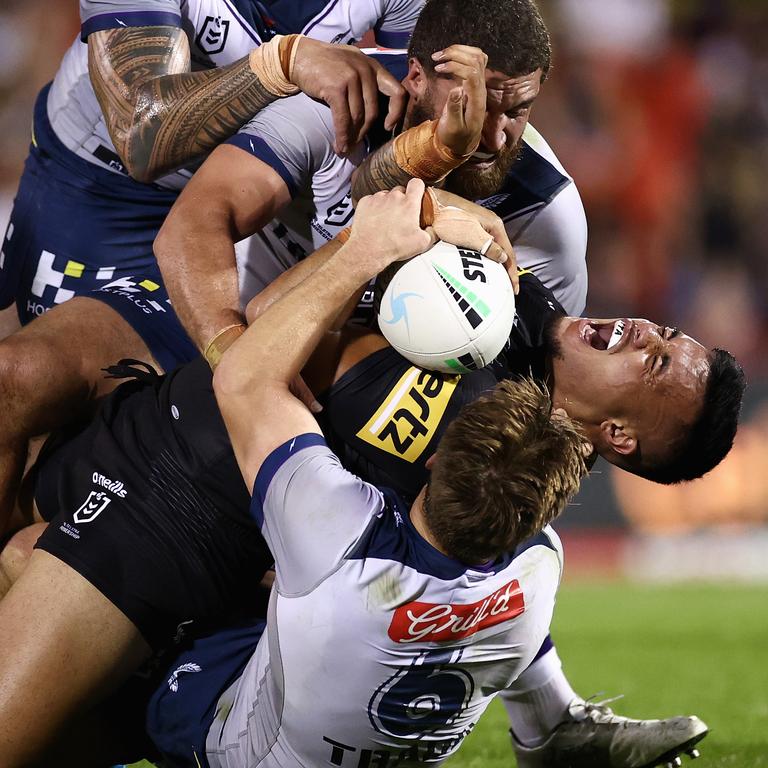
[593, 737]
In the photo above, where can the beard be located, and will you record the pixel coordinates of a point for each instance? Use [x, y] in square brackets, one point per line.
[468, 181]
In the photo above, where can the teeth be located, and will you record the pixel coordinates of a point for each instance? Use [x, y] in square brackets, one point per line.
[483, 155]
[618, 332]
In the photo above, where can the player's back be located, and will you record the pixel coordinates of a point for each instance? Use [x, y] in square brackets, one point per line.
[378, 646]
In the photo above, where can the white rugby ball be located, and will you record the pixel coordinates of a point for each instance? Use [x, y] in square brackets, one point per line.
[448, 309]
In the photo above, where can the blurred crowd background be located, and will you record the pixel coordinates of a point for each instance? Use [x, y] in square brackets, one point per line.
[659, 110]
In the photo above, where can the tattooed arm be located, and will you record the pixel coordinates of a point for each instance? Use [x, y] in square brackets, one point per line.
[161, 116]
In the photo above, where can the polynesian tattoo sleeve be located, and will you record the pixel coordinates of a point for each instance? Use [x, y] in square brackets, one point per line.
[378, 171]
[160, 115]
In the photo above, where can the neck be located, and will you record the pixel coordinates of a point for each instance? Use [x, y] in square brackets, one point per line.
[420, 522]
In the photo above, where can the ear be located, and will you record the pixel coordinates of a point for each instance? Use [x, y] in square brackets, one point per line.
[430, 462]
[619, 437]
[416, 80]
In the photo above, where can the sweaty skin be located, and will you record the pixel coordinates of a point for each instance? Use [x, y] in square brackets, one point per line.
[160, 115]
[495, 108]
[649, 385]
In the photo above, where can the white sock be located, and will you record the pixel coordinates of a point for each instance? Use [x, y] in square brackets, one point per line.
[537, 702]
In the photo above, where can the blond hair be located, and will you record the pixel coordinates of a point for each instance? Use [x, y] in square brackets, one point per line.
[503, 470]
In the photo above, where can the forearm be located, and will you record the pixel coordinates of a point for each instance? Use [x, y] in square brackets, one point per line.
[289, 279]
[284, 335]
[417, 153]
[378, 171]
[197, 259]
[159, 115]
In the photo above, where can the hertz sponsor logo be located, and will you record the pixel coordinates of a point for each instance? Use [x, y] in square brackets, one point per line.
[406, 421]
[116, 486]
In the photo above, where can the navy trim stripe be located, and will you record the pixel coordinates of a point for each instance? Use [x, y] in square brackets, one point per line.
[249, 19]
[546, 647]
[129, 19]
[316, 21]
[272, 463]
[392, 39]
[259, 148]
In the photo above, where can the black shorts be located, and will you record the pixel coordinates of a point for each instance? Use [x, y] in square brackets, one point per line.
[140, 531]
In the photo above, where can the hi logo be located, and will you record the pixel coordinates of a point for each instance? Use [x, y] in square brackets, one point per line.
[93, 506]
[406, 421]
[212, 36]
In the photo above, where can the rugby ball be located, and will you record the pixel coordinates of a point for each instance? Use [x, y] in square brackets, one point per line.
[448, 309]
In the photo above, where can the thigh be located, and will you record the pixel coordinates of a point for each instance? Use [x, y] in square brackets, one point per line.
[51, 368]
[64, 645]
[69, 237]
[128, 516]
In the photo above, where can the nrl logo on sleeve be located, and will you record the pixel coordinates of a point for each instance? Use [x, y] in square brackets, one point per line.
[212, 36]
[93, 506]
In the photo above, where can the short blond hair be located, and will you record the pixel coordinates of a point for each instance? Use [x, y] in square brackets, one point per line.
[504, 469]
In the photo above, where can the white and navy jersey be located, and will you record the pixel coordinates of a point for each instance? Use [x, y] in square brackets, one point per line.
[379, 649]
[539, 202]
[219, 32]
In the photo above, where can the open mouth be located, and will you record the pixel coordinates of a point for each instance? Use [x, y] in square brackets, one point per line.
[482, 158]
[605, 337]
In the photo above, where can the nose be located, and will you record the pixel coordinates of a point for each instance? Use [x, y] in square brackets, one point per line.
[493, 137]
[647, 335]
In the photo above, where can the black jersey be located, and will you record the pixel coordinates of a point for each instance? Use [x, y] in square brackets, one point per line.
[384, 417]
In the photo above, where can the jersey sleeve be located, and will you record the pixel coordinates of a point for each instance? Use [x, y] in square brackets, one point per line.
[397, 22]
[293, 136]
[554, 247]
[311, 511]
[553, 244]
[96, 15]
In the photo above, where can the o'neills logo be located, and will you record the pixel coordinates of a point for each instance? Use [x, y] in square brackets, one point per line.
[116, 486]
[435, 622]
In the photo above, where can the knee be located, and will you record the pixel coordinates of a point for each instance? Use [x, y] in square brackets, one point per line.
[16, 553]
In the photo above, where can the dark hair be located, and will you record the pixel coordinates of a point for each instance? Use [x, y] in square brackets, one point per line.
[504, 468]
[510, 32]
[711, 435]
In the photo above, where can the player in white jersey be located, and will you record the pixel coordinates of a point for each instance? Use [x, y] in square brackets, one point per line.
[389, 630]
[148, 90]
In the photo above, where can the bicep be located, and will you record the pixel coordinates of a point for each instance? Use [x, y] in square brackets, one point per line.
[234, 190]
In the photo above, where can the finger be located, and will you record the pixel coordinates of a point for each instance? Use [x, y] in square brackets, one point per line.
[454, 108]
[342, 121]
[413, 194]
[356, 106]
[398, 96]
[370, 93]
[460, 70]
[466, 54]
[495, 228]
[300, 390]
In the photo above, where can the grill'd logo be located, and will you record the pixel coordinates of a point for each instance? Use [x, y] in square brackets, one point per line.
[436, 622]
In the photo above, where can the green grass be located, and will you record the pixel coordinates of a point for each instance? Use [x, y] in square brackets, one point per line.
[671, 650]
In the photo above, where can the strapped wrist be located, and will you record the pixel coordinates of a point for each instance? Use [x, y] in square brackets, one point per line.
[221, 342]
[273, 64]
[421, 154]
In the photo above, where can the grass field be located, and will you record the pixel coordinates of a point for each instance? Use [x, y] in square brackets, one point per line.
[670, 650]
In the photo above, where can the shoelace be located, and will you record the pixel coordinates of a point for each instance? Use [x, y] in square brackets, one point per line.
[594, 710]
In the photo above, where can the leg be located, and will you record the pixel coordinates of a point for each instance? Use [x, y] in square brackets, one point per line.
[64, 645]
[553, 727]
[50, 371]
[15, 555]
